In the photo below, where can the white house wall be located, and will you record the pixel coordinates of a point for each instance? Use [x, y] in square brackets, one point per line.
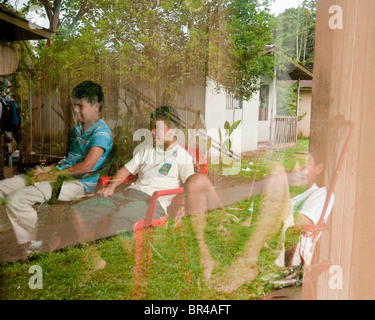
[250, 124]
[305, 108]
[216, 114]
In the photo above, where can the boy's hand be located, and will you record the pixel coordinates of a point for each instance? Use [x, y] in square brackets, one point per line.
[48, 173]
[39, 170]
[300, 222]
[36, 171]
[107, 191]
[48, 176]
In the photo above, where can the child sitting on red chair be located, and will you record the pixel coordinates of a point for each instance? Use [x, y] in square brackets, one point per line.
[162, 165]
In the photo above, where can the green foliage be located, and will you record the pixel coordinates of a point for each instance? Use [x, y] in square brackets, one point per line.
[153, 51]
[286, 99]
[156, 43]
[58, 185]
[294, 32]
[286, 104]
[248, 33]
[225, 141]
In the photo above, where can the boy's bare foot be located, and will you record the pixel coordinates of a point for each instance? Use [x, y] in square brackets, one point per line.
[91, 262]
[100, 264]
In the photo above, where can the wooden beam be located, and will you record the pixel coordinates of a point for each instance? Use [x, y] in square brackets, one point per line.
[24, 27]
[344, 78]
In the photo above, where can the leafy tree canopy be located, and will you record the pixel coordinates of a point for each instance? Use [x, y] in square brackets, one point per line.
[294, 32]
[159, 41]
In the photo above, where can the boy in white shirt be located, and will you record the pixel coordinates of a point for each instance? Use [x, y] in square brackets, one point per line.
[166, 165]
[307, 209]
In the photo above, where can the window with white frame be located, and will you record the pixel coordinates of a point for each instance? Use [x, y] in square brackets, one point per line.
[233, 103]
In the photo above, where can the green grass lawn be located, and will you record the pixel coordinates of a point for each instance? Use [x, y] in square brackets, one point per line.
[255, 163]
[175, 272]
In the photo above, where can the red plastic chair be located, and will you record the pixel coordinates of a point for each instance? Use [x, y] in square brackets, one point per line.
[104, 181]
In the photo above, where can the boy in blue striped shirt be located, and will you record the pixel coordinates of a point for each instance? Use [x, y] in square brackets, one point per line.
[90, 143]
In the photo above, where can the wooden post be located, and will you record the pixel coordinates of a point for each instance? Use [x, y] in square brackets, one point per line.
[344, 83]
[298, 104]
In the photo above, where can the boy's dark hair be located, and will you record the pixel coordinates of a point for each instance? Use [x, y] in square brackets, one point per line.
[167, 113]
[90, 91]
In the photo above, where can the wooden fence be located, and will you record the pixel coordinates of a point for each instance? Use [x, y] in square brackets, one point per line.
[283, 130]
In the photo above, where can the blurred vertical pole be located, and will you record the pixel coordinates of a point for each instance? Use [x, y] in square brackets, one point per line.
[344, 85]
